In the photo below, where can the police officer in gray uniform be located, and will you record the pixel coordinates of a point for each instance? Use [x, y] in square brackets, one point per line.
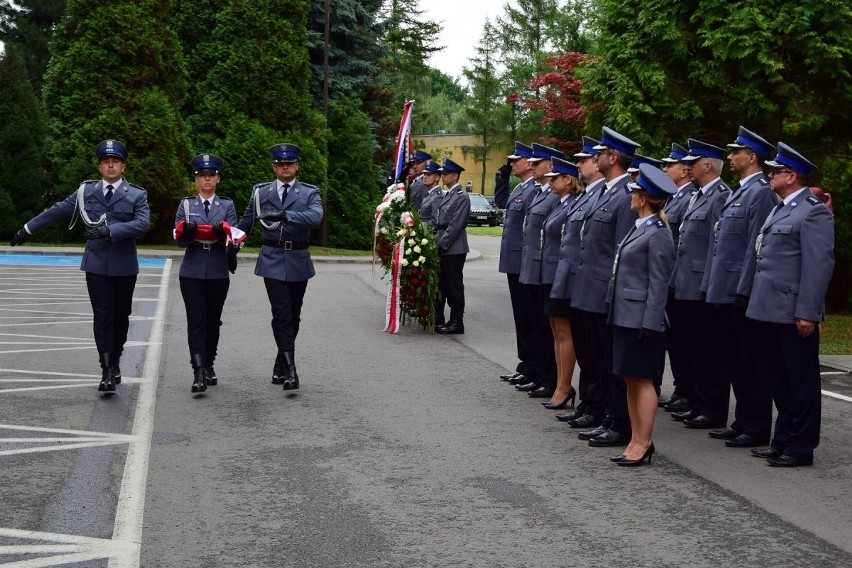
[511, 246]
[203, 274]
[114, 213]
[734, 234]
[418, 188]
[605, 223]
[432, 183]
[692, 262]
[681, 362]
[538, 210]
[287, 210]
[794, 260]
[451, 220]
[590, 412]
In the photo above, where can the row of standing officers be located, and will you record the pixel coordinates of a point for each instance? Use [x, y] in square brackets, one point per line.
[629, 262]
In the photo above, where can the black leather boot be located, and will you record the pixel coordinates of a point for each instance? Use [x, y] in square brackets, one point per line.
[454, 327]
[199, 382]
[210, 374]
[291, 379]
[107, 379]
[279, 371]
[116, 371]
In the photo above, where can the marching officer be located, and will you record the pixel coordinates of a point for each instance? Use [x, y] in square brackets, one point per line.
[544, 383]
[418, 187]
[451, 220]
[115, 213]
[431, 181]
[702, 212]
[511, 245]
[682, 363]
[287, 210]
[605, 223]
[734, 234]
[794, 260]
[205, 222]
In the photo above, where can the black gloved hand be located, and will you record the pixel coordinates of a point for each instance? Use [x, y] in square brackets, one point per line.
[20, 237]
[99, 231]
[505, 170]
[741, 303]
[232, 259]
[189, 229]
[650, 339]
[275, 216]
[219, 231]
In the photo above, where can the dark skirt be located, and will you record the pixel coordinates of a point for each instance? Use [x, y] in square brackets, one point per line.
[631, 359]
[554, 307]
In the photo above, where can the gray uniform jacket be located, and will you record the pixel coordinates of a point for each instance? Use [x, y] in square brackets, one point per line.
[734, 234]
[569, 247]
[696, 233]
[512, 242]
[531, 254]
[430, 205]
[554, 226]
[638, 288]
[676, 207]
[418, 191]
[211, 262]
[303, 205]
[604, 225]
[794, 263]
[127, 216]
[452, 214]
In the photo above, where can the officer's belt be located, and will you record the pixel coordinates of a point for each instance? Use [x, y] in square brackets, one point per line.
[287, 245]
[206, 246]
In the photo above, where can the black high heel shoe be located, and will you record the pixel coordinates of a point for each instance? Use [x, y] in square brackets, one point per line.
[636, 463]
[572, 396]
[617, 458]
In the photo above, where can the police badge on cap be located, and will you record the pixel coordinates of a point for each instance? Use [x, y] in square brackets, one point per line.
[111, 149]
[206, 163]
[284, 153]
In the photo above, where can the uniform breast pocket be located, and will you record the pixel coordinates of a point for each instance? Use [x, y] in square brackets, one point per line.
[782, 237]
[696, 224]
[536, 219]
[734, 220]
[601, 223]
[94, 208]
[122, 212]
[516, 206]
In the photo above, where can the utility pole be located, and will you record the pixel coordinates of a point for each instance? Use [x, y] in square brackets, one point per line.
[323, 233]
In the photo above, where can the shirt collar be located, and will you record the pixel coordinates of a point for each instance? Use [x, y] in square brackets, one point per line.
[612, 182]
[640, 222]
[793, 196]
[704, 187]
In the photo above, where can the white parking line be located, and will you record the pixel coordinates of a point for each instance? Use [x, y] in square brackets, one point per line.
[837, 396]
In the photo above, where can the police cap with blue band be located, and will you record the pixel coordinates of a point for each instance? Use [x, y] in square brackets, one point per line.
[521, 151]
[612, 140]
[563, 168]
[699, 149]
[206, 163]
[588, 150]
[542, 152]
[284, 153]
[653, 180]
[111, 149]
[787, 157]
[450, 166]
[432, 167]
[746, 139]
[638, 159]
[677, 154]
[420, 156]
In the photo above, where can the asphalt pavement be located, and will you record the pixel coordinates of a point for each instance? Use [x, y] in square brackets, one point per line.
[398, 450]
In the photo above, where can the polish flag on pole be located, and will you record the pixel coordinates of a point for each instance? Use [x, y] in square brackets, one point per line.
[404, 144]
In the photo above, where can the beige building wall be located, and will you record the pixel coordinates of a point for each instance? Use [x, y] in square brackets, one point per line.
[450, 146]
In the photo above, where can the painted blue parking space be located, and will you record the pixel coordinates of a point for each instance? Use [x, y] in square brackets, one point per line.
[63, 260]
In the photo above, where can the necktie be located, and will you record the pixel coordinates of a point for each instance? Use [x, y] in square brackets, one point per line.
[284, 189]
[206, 208]
[109, 192]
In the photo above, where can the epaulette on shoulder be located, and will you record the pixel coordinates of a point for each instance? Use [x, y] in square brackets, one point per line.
[660, 224]
[223, 198]
[312, 186]
[724, 186]
[263, 184]
[139, 187]
[92, 181]
[536, 184]
[762, 181]
[813, 200]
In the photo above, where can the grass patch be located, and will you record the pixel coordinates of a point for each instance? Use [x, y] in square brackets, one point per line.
[492, 231]
[836, 336]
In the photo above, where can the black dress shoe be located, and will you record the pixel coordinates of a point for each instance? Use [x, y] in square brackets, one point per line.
[107, 384]
[589, 434]
[608, 439]
[527, 387]
[726, 434]
[769, 452]
[572, 415]
[586, 421]
[701, 422]
[509, 376]
[541, 392]
[785, 460]
[210, 376]
[680, 405]
[519, 380]
[746, 441]
[454, 327]
[681, 416]
[116, 374]
[670, 400]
